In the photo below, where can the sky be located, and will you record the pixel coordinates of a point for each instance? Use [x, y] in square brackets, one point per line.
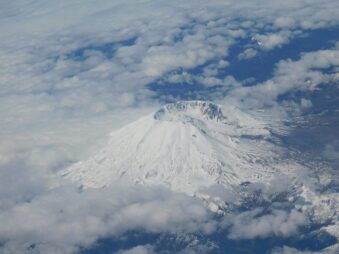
[73, 71]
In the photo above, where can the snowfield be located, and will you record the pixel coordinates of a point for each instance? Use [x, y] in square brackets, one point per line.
[186, 145]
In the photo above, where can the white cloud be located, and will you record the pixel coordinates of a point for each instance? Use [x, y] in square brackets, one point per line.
[284, 22]
[305, 74]
[141, 249]
[63, 219]
[247, 53]
[38, 74]
[56, 109]
[289, 250]
[270, 41]
[249, 225]
[331, 150]
[305, 103]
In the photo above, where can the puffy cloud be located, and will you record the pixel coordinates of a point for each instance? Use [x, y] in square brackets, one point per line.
[58, 63]
[72, 71]
[63, 219]
[305, 74]
[37, 217]
[249, 225]
[270, 41]
[284, 22]
[247, 53]
[192, 51]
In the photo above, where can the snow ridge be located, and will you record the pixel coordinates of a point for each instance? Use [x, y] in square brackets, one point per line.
[185, 108]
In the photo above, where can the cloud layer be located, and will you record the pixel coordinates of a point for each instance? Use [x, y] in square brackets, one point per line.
[72, 71]
[63, 219]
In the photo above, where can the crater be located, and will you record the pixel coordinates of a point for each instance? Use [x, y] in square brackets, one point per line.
[184, 110]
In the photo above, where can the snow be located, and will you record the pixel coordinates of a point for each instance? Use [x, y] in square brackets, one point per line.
[191, 146]
[186, 146]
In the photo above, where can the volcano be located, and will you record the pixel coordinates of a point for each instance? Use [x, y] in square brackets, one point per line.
[184, 145]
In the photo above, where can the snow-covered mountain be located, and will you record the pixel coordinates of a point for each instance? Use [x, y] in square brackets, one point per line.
[197, 146]
[185, 145]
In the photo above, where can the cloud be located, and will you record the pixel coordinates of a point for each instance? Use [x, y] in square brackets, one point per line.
[270, 41]
[20, 183]
[193, 248]
[63, 219]
[247, 53]
[71, 72]
[192, 51]
[251, 224]
[304, 74]
[66, 60]
[141, 249]
[331, 150]
[42, 214]
[289, 250]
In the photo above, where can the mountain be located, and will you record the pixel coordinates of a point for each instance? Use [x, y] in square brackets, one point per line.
[197, 147]
[185, 145]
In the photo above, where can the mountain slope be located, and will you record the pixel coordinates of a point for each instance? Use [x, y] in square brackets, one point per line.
[186, 145]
